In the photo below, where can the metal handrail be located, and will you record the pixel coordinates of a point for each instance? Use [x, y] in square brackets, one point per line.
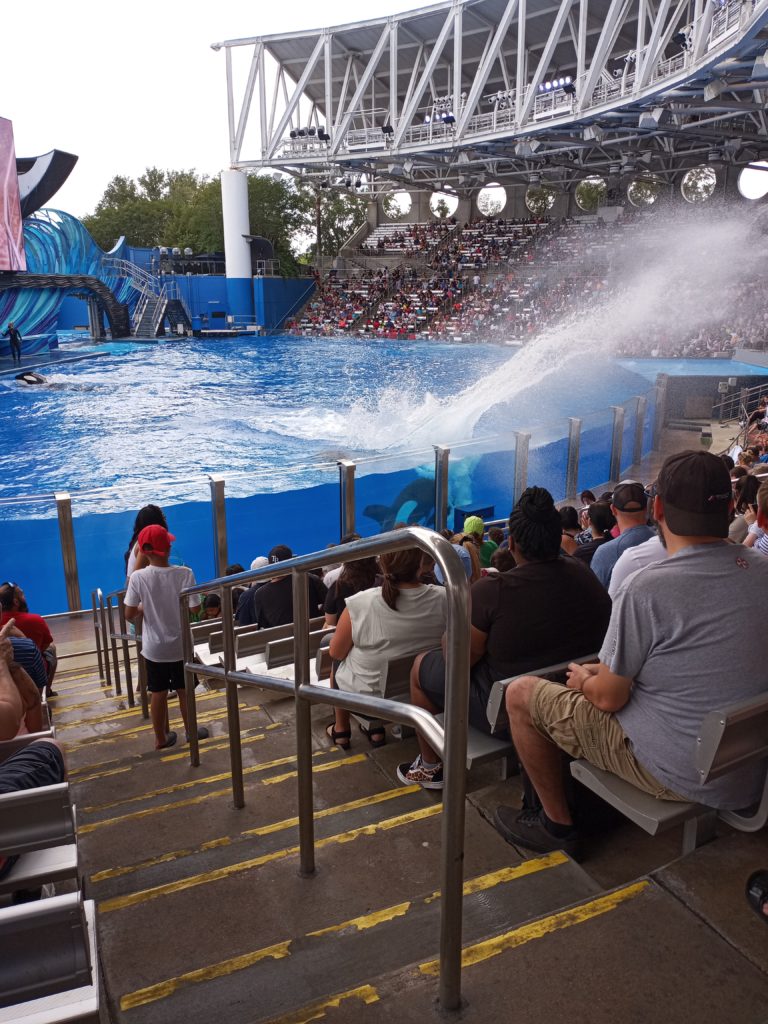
[450, 742]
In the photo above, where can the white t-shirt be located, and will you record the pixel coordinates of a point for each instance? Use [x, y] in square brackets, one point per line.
[156, 588]
[633, 559]
[381, 634]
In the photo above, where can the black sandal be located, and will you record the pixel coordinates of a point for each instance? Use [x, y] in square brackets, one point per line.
[377, 736]
[757, 893]
[338, 739]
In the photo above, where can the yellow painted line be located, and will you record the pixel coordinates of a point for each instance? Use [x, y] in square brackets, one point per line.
[366, 994]
[261, 830]
[481, 951]
[113, 716]
[238, 963]
[220, 743]
[192, 801]
[145, 895]
[214, 715]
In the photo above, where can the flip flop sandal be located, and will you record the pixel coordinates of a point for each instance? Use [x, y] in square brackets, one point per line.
[377, 737]
[202, 733]
[338, 739]
[170, 740]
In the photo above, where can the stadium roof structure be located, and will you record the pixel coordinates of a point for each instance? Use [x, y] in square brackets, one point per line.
[465, 92]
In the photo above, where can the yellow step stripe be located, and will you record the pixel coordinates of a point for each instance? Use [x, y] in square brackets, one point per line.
[316, 1011]
[215, 715]
[261, 830]
[113, 716]
[481, 951]
[224, 968]
[192, 801]
[145, 895]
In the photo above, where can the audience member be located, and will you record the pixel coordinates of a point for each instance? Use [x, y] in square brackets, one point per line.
[271, 604]
[601, 521]
[629, 505]
[149, 515]
[13, 604]
[663, 666]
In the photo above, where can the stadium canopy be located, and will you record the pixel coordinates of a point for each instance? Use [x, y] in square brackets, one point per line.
[458, 94]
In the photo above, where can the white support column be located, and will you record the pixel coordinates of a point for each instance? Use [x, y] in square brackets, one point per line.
[603, 48]
[653, 50]
[485, 68]
[458, 41]
[581, 54]
[230, 105]
[263, 126]
[392, 71]
[328, 68]
[237, 252]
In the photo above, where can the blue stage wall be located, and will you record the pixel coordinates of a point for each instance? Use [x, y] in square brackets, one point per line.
[277, 298]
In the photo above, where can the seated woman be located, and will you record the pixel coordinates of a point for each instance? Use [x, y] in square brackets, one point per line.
[399, 618]
[354, 577]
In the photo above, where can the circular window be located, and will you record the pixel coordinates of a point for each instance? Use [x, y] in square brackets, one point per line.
[698, 184]
[540, 199]
[397, 205]
[491, 199]
[590, 193]
[643, 192]
[443, 204]
[753, 180]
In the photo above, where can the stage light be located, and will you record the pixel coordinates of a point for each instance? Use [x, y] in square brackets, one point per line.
[427, 119]
[348, 182]
[293, 133]
[569, 88]
[547, 86]
[387, 129]
[681, 40]
[323, 135]
[358, 183]
[311, 131]
[302, 133]
[448, 118]
[568, 79]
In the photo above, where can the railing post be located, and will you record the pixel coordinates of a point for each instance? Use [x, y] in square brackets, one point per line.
[346, 497]
[642, 409]
[522, 444]
[442, 458]
[97, 632]
[126, 649]
[661, 409]
[574, 450]
[233, 708]
[189, 681]
[303, 724]
[104, 639]
[617, 439]
[219, 511]
[113, 646]
[68, 552]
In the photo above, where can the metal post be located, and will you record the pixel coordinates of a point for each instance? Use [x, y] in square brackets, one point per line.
[522, 443]
[187, 654]
[126, 649]
[142, 679]
[97, 633]
[346, 497]
[113, 645]
[617, 440]
[661, 409]
[642, 409]
[68, 552]
[233, 709]
[574, 449]
[219, 511]
[104, 640]
[442, 457]
[303, 724]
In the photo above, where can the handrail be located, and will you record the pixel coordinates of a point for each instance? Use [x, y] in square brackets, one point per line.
[450, 743]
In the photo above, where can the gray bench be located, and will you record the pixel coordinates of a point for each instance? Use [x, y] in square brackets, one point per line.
[38, 826]
[731, 738]
[281, 651]
[49, 965]
[252, 640]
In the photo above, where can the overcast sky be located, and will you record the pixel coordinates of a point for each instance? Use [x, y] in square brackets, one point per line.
[135, 84]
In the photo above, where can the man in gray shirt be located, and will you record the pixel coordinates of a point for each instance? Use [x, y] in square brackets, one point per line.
[666, 662]
[630, 506]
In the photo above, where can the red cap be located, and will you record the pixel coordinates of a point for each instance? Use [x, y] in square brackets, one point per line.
[156, 538]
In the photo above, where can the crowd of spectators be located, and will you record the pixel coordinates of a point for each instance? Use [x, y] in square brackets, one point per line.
[408, 239]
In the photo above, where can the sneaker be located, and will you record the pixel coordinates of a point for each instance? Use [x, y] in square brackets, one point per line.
[427, 778]
[527, 828]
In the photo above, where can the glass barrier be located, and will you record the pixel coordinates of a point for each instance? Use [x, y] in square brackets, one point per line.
[481, 479]
[628, 435]
[650, 421]
[595, 457]
[395, 489]
[31, 552]
[547, 465]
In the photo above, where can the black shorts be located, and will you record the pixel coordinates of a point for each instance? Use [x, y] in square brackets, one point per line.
[432, 682]
[39, 764]
[164, 675]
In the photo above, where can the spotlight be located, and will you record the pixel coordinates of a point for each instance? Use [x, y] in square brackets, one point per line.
[448, 118]
[681, 40]
[568, 79]
[427, 119]
[311, 131]
[561, 82]
[358, 182]
[323, 135]
[387, 129]
[293, 133]
[569, 88]
[302, 133]
[547, 86]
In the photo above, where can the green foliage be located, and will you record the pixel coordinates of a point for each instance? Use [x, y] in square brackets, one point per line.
[643, 192]
[441, 209]
[341, 214]
[590, 193]
[540, 199]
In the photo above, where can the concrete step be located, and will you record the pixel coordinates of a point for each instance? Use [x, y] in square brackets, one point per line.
[634, 955]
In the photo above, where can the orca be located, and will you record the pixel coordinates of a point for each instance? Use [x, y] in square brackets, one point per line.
[30, 377]
[413, 505]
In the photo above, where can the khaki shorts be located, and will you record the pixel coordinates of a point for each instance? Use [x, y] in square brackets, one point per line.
[580, 729]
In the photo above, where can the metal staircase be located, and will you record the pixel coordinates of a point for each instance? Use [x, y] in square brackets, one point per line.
[156, 300]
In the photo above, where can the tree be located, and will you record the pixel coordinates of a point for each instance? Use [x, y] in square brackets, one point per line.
[643, 192]
[441, 209]
[699, 183]
[341, 214]
[540, 199]
[590, 193]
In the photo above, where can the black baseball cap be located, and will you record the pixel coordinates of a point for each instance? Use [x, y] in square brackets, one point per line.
[280, 553]
[695, 489]
[629, 496]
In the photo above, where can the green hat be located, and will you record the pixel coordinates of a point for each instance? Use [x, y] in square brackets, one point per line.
[474, 524]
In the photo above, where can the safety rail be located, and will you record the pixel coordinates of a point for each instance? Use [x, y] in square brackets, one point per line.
[450, 742]
[107, 639]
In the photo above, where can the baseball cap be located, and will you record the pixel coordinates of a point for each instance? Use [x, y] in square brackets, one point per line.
[695, 489]
[629, 496]
[280, 553]
[156, 538]
[473, 524]
[259, 562]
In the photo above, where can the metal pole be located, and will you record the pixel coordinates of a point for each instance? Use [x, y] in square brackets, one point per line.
[522, 444]
[126, 649]
[642, 409]
[346, 497]
[617, 439]
[219, 511]
[661, 409]
[142, 679]
[303, 725]
[104, 640]
[68, 551]
[442, 457]
[113, 645]
[97, 633]
[189, 681]
[574, 450]
[233, 710]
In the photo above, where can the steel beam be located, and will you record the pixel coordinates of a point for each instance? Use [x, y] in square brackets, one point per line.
[484, 69]
[409, 109]
[298, 92]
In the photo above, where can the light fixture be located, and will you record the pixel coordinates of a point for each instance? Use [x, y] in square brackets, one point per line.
[569, 89]
[387, 129]
[448, 117]
[302, 133]
[311, 131]
[427, 119]
[358, 182]
[323, 135]
[293, 133]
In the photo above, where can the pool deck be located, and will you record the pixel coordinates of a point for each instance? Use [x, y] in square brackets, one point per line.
[39, 361]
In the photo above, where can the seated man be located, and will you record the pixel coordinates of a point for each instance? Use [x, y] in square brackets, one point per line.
[546, 610]
[629, 505]
[667, 661]
[13, 604]
[272, 603]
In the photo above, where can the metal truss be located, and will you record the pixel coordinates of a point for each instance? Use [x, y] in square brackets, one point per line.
[468, 91]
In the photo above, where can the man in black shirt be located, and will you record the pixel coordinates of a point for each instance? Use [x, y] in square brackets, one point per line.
[272, 604]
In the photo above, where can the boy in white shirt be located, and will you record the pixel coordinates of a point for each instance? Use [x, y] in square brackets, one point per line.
[152, 601]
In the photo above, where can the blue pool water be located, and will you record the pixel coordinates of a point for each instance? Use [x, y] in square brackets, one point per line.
[146, 423]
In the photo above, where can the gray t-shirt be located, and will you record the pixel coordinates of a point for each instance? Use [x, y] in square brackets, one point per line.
[688, 630]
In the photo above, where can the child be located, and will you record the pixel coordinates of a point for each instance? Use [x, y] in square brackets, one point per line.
[152, 600]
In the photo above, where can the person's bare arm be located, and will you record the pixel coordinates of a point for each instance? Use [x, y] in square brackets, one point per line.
[30, 698]
[132, 612]
[603, 688]
[341, 641]
[11, 706]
